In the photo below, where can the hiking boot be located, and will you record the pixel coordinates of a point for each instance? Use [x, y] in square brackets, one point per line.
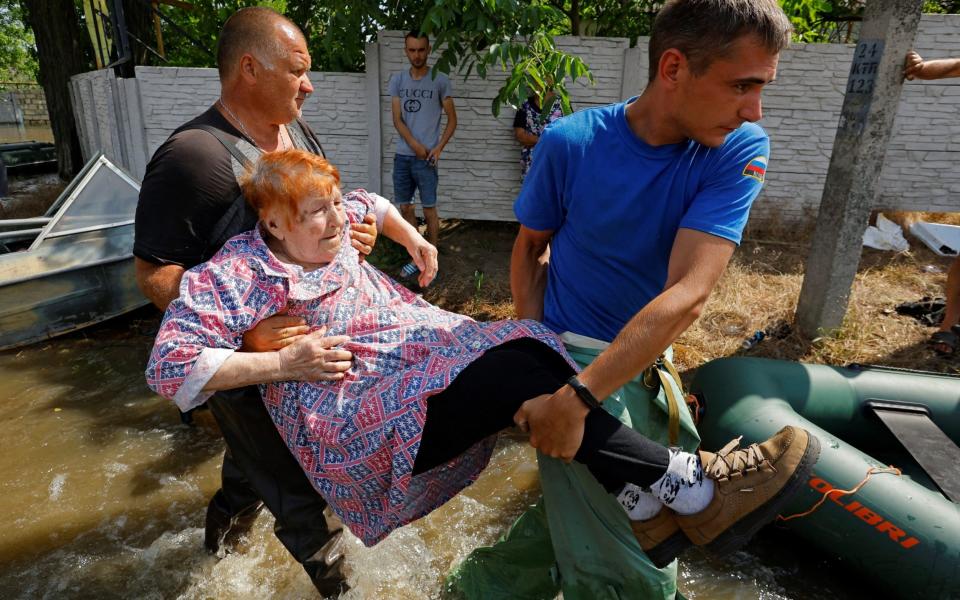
[222, 531]
[660, 537]
[751, 486]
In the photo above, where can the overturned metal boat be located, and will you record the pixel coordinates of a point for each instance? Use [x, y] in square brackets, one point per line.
[73, 266]
[22, 158]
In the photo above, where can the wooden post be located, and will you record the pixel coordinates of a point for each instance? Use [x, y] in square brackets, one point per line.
[156, 27]
[849, 194]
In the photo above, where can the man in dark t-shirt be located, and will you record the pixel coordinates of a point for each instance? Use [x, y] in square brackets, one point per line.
[189, 205]
[191, 182]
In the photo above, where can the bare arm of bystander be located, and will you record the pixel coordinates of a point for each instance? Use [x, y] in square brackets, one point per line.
[916, 68]
[450, 110]
[525, 138]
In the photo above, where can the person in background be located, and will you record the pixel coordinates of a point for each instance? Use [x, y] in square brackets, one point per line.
[529, 123]
[190, 204]
[418, 99]
[947, 339]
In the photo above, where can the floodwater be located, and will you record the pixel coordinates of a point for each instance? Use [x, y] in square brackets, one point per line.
[103, 491]
[13, 133]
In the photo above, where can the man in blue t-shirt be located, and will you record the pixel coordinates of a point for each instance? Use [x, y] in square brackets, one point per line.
[641, 205]
[418, 99]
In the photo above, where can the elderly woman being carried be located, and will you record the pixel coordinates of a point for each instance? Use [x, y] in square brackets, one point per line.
[413, 420]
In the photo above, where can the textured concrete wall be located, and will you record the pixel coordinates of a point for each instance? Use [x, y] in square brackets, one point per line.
[480, 172]
[31, 101]
[802, 109]
[920, 171]
[95, 112]
[336, 111]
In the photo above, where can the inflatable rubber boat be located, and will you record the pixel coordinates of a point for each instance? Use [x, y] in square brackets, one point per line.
[884, 495]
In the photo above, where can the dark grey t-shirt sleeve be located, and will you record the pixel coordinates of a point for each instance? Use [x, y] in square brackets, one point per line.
[188, 185]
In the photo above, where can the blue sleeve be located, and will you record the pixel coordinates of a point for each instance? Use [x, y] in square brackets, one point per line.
[722, 204]
[393, 88]
[540, 205]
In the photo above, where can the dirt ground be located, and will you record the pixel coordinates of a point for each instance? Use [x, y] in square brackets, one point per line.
[759, 291]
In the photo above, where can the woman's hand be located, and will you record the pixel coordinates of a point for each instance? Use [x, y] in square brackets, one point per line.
[555, 423]
[274, 333]
[315, 357]
[363, 236]
[424, 255]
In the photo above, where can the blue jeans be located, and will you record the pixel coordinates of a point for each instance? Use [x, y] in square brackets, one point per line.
[411, 173]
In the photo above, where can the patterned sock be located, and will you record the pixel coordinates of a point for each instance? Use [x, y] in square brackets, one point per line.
[639, 503]
[683, 487]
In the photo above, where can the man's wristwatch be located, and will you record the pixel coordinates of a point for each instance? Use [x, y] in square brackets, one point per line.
[585, 395]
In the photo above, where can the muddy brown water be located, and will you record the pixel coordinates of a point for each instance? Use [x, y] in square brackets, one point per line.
[103, 490]
[13, 133]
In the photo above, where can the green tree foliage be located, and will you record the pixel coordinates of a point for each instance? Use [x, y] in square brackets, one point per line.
[193, 41]
[475, 36]
[338, 30]
[941, 6]
[609, 18]
[18, 52]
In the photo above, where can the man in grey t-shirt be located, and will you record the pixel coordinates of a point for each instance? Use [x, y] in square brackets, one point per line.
[418, 101]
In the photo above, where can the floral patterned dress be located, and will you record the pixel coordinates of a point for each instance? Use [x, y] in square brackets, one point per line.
[531, 120]
[356, 439]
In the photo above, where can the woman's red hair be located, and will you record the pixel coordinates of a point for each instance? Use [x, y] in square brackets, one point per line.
[280, 181]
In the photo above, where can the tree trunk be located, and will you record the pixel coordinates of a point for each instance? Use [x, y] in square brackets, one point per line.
[574, 17]
[139, 20]
[60, 54]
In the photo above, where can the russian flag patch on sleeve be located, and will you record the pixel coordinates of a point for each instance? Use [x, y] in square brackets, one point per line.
[756, 168]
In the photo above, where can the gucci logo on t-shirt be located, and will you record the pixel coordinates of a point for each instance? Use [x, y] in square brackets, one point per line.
[411, 105]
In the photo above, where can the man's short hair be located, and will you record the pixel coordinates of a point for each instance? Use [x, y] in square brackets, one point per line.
[705, 30]
[250, 30]
[416, 34]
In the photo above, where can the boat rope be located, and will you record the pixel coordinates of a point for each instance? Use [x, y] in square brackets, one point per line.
[837, 493]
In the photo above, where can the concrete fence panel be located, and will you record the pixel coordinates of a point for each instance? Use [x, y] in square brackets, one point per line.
[479, 170]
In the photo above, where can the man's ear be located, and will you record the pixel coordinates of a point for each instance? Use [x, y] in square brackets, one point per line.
[248, 68]
[672, 67]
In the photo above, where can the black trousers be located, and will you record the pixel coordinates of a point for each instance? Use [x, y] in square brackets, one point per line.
[483, 399]
[258, 466]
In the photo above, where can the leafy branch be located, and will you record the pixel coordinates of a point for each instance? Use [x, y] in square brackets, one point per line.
[514, 36]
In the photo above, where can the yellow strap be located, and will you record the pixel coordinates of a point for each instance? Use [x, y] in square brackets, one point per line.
[672, 369]
[673, 404]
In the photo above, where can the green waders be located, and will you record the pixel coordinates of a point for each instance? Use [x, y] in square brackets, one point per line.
[577, 538]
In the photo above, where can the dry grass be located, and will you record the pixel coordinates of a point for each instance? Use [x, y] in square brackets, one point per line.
[759, 289]
[762, 285]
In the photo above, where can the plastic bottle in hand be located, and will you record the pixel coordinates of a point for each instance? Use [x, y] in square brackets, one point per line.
[753, 340]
